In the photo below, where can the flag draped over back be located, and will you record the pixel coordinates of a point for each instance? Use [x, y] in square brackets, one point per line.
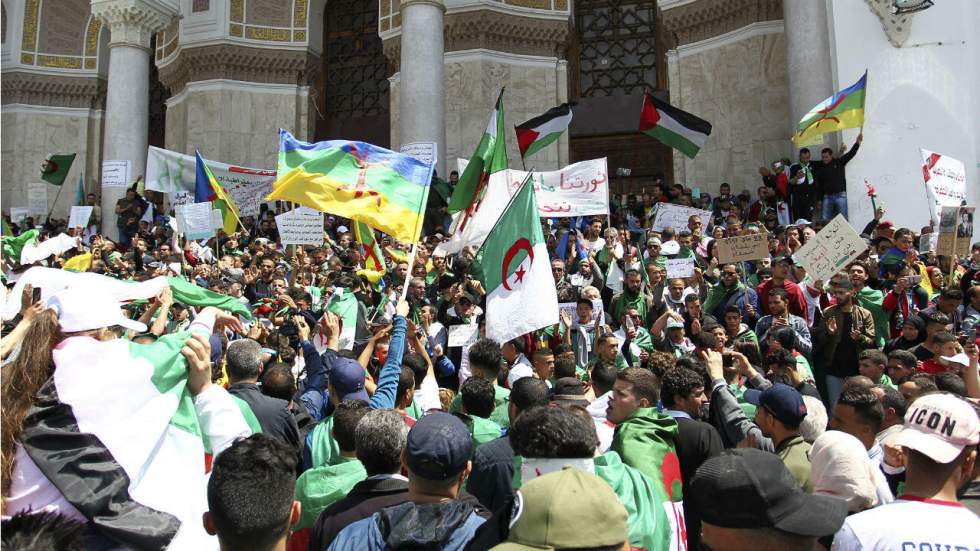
[514, 268]
[535, 134]
[490, 156]
[55, 168]
[208, 189]
[356, 180]
[844, 109]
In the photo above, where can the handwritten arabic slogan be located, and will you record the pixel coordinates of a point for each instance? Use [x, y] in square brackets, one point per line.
[667, 215]
[576, 190]
[831, 250]
[743, 247]
[945, 181]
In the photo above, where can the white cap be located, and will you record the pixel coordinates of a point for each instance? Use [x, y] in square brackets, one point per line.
[801, 222]
[960, 358]
[341, 229]
[84, 309]
[939, 426]
[670, 247]
[674, 324]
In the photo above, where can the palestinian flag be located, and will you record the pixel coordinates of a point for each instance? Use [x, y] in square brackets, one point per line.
[136, 464]
[515, 269]
[542, 130]
[671, 126]
[207, 188]
[490, 156]
[55, 168]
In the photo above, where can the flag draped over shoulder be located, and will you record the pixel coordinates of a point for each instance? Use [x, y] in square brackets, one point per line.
[533, 135]
[844, 109]
[55, 168]
[13, 245]
[515, 270]
[681, 130]
[207, 188]
[490, 156]
[384, 189]
[154, 430]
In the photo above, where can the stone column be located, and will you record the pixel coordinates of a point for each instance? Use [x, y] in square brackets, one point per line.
[422, 97]
[131, 24]
[807, 56]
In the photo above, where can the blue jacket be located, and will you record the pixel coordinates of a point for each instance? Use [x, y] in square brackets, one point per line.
[445, 526]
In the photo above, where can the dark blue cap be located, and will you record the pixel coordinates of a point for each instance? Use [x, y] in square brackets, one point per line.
[439, 445]
[346, 376]
[783, 401]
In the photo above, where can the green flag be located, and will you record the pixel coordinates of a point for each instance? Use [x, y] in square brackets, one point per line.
[54, 170]
[13, 245]
[344, 305]
[187, 293]
[490, 156]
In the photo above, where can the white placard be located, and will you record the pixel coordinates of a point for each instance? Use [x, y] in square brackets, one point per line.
[577, 190]
[462, 335]
[572, 309]
[297, 228]
[217, 222]
[427, 152]
[680, 268]
[194, 220]
[248, 196]
[181, 198]
[18, 214]
[668, 215]
[37, 198]
[831, 250]
[79, 217]
[945, 181]
[115, 173]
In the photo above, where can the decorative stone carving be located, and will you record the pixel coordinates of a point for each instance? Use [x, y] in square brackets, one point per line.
[897, 27]
[704, 19]
[55, 91]
[238, 62]
[133, 22]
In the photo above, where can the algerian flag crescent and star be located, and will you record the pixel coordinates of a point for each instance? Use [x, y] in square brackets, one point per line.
[515, 270]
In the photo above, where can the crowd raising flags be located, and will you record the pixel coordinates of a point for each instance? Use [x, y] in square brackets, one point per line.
[845, 109]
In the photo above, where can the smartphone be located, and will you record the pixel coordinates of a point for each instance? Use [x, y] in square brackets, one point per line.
[727, 360]
[35, 295]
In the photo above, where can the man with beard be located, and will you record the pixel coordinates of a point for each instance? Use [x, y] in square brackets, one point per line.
[632, 297]
[730, 291]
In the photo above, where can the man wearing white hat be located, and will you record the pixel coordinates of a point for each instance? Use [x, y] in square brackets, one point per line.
[939, 442]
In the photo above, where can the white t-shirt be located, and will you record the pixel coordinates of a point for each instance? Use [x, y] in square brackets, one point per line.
[521, 368]
[910, 524]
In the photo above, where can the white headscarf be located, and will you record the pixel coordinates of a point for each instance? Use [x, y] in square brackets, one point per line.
[839, 466]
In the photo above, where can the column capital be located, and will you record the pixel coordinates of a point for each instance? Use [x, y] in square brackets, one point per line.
[437, 3]
[133, 22]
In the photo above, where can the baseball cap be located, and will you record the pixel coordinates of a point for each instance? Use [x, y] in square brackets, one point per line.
[670, 247]
[939, 426]
[783, 401]
[341, 229]
[674, 324]
[570, 508]
[932, 315]
[347, 378]
[83, 308]
[654, 242]
[751, 488]
[569, 391]
[439, 446]
[960, 358]
[802, 222]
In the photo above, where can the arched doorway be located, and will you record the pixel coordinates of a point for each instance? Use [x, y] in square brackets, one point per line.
[353, 99]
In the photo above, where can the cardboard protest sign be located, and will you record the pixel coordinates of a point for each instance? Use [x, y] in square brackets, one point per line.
[194, 220]
[79, 217]
[667, 215]
[680, 268]
[831, 250]
[742, 247]
[297, 228]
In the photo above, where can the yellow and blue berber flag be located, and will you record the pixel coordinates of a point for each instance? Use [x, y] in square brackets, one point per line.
[207, 188]
[845, 109]
[385, 190]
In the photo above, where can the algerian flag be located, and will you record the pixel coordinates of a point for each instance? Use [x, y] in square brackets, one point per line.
[55, 168]
[152, 429]
[490, 156]
[343, 303]
[471, 227]
[514, 267]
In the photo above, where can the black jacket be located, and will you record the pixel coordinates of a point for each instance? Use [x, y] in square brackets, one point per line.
[272, 413]
[830, 177]
[493, 471]
[365, 498]
[696, 441]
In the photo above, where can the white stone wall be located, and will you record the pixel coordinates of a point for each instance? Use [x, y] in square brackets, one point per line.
[236, 122]
[29, 134]
[473, 80]
[737, 82]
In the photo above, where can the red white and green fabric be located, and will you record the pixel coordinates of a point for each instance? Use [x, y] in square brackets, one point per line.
[535, 134]
[490, 156]
[671, 126]
[515, 270]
